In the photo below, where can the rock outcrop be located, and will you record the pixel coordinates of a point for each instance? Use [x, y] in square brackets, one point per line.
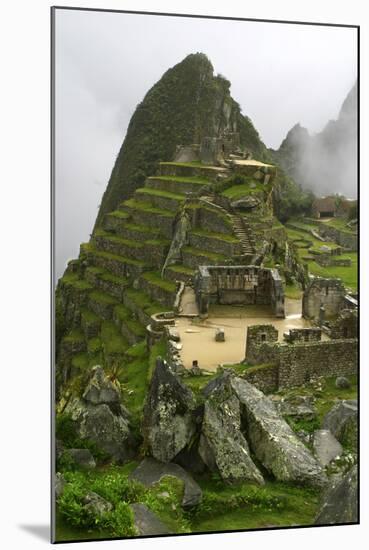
[100, 417]
[222, 445]
[326, 446]
[272, 441]
[168, 424]
[340, 502]
[151, 471]
[146, 523]
[341, 420]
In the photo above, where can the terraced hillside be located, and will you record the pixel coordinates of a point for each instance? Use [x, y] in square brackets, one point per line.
[106, 296]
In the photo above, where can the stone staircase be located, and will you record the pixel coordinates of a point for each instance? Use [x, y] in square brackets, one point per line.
[243, 231]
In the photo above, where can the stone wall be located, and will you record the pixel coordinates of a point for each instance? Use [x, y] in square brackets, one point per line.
[301, 360]
[346, 325]
[303, 335]
[243, 285]
[264, 377]
[211, 219]
[219, 246]
[328, 293]
[343, 238]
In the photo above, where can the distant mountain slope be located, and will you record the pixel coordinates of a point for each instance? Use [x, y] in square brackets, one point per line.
[327, 162]
[187, 103]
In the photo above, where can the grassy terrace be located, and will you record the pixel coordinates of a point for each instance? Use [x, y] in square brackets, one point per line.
[102, 298]
[88, 248]
[112, 340]
[146, 207]
[159, 193]
[196, 163]
[116, 239]
[182, 269]
[143, 301]
[154, 278]
[145, 229]
[119, 214]
[125, 316]
[73, 280]
[347, 274]
[211, 255]
[238, 191]
[218, 236]
[181, 179]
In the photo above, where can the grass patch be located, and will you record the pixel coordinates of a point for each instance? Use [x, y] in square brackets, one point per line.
[89, 249]
[211, 255]
[293, 292]
[159, 193]
[154, 278]
[74, 336]
[112, 341]
[119, 214]
[94, 345]
[102, 298]
[73, 280]
[147, 207]
[217, 236]
[143, 301]
[181, 179]
[182, 269]
[249, 507]
[239, 191]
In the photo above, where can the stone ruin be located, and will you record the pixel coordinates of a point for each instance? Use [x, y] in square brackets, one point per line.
[323, 296]
[239, 285]
[301, 357]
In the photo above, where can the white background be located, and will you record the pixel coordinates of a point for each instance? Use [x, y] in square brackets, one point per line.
[25, 260]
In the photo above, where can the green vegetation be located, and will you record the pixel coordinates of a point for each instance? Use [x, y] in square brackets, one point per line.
[158, 193]
[249, 507]
[166, 117]
[181, 179]
[155, 278]
[293, 291]
[74, 336]
[73, 280]
[113, 485]
[147, 207]
[219, 236]
[143, 301]
[89, 249]
[211, 255]
[347, 274]
[182, 269]
[113, 342]
[239, 191]
[116, 239]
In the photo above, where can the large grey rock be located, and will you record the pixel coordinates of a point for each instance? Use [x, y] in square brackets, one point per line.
[96, 505]
[300, 407]
[340, 502]
[146, 522]
[168, 424]
[246, 202]
[341, 420]
[106, 424]
[222, 445]
[326, 446]
[82, 457]
[151, 471]
[342, 383]
[272, 441]
[100, 389]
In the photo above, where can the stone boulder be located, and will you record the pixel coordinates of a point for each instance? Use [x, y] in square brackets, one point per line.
[342, 383]
[151, 471]
[222, 445]
[272, 441]
[82, 457]
[300, 407]
[326, 446]
[96, 505]
[168, 423]
[146, 522]
[340, 502]
[246, 202]
[341, 420]
[100, 389]
[104, 423]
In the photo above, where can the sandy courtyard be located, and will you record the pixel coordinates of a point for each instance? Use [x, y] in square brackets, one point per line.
[198, 338]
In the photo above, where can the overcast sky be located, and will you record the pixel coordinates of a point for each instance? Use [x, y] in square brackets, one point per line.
[106, 62]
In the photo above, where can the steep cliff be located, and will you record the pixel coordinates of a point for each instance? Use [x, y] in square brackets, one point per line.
[187, 103]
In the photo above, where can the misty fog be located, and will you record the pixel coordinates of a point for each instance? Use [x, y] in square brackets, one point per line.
[106, 62]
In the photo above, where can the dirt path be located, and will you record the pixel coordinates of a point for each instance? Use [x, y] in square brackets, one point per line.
[198, 337]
